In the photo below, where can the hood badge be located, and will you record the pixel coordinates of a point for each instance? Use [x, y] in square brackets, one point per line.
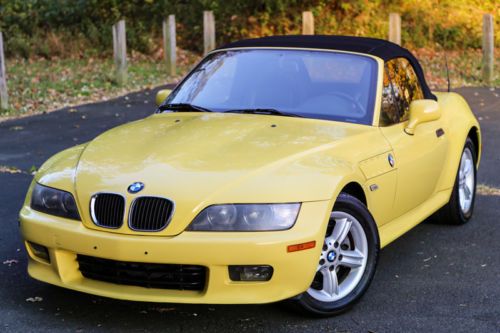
[390, 158]
[135, 187]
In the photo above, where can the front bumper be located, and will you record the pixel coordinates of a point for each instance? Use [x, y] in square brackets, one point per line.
[293, 272]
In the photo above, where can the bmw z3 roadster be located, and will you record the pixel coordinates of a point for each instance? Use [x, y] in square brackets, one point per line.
[276, 170]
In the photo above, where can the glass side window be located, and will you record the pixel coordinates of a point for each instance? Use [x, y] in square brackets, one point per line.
[401, 87]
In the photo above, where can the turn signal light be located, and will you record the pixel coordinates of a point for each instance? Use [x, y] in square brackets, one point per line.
[301, 246]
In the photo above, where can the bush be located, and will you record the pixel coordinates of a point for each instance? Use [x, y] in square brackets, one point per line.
[27, 23]
[18, 45]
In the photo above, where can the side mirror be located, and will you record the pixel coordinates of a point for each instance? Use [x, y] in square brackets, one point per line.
[422, 111]
[162, 95]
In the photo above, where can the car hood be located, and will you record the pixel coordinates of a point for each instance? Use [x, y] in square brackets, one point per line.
[198, 159]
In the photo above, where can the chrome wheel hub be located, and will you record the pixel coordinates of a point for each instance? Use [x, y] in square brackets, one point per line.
[342, 261]
[466, 181]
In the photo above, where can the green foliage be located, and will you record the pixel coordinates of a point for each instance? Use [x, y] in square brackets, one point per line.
[74, 27]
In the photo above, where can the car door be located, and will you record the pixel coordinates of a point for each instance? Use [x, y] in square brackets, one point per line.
[418, 158]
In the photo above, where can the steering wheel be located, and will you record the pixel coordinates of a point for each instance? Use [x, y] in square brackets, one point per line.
[360, 108]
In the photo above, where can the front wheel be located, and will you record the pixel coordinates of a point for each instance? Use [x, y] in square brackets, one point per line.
[347, 262]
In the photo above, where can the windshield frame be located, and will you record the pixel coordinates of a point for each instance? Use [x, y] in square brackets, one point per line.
[374, 90]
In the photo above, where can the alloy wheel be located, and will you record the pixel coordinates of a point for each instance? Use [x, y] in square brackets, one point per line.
[343, 259]
[466, 181]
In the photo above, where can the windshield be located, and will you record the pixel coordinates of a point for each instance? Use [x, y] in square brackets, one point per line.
[312, 84]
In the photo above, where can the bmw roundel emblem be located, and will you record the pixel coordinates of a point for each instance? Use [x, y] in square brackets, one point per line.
[135, 187]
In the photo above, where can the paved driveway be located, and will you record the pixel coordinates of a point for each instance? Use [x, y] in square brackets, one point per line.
[435, 278]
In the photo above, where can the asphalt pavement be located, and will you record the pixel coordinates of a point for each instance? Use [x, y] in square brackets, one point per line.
[436, 278]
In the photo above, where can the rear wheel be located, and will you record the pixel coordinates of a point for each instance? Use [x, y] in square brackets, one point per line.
[347, 262]
[461, 205]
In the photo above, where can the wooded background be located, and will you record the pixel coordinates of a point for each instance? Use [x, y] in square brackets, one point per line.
[64, 28]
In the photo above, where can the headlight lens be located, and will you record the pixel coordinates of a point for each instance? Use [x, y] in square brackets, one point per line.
[239, 217]
[55, 202]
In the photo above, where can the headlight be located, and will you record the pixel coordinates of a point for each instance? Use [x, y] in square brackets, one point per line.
[255, 217]
[55, 202]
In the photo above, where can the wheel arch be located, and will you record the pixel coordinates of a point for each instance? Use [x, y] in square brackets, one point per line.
[356, 190]
[476, 140]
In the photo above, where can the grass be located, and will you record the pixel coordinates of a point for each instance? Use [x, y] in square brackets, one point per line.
[41, 85]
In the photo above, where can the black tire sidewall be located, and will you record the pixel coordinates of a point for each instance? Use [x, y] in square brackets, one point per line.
[357, 209]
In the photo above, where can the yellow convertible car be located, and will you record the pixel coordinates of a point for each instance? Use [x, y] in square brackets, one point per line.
[276, 170]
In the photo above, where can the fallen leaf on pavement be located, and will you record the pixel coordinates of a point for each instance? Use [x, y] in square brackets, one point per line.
[483, 189]
[33, 170]
[9, 169]
[162, 310]
[34, 299]
[10, 262]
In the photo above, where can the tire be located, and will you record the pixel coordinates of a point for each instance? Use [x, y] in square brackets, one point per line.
[459, 209]
[351, 240]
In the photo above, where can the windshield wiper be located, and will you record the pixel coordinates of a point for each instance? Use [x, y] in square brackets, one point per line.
[272, 112]
[183, 107]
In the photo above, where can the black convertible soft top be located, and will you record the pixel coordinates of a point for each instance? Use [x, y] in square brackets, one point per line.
[377, 47]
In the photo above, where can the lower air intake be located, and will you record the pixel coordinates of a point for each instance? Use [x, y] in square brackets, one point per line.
[160, 276]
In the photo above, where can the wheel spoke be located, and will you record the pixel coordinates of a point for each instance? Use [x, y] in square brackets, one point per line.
[329, 240]
[341, 229]
[352, 258]
[467, 167]
[330, 282]
[461, 197]
[467, 192]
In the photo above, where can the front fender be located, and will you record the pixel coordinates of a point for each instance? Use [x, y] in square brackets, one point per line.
[459, 120]
[314, 177]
